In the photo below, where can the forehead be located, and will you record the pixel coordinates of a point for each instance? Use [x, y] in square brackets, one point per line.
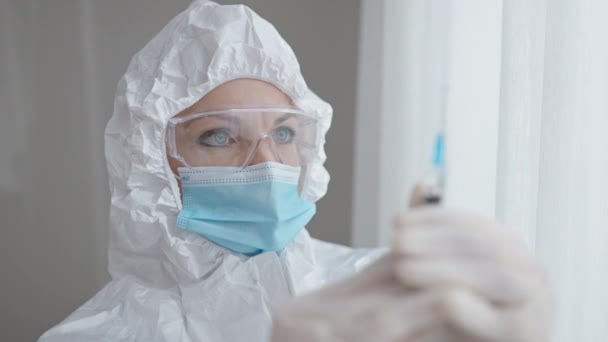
[239, 93]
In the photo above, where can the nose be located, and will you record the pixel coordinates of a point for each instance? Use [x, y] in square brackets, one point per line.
[264, 153]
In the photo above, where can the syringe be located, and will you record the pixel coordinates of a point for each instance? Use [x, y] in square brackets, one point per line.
[434, 182]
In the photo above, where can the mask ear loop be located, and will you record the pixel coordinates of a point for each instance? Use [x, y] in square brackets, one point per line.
[181, 160]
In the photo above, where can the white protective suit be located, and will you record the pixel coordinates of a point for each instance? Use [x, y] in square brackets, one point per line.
[169, 284]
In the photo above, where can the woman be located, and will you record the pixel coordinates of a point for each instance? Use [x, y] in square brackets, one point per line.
[215, 157]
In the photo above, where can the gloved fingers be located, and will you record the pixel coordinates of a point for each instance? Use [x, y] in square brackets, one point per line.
[381, 296]
[501, 284]
[441, 334]
[286, 328]
[439, 216]
[417, 197]
[497, 289]
[458, 220]
[379, 272]
[400, 319]
[472, 317]
[450, 241]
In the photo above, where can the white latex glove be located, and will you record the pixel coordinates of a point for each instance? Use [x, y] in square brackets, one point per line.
[493, 288]
[370, 306]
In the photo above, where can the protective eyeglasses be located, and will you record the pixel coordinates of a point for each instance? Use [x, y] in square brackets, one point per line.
[237, 137]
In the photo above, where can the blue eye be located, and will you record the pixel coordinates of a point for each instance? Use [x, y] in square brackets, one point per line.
[215, 138]
[284, 135]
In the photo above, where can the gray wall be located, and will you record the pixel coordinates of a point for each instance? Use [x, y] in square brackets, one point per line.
[59, 65]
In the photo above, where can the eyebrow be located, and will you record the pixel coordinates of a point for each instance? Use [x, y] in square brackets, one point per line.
[283, 118]
[224, 117]
[236, 121]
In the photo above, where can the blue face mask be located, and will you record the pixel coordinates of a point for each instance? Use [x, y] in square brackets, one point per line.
[251, 211]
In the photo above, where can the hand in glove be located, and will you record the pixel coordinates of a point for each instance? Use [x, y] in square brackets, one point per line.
[493, 288]
[452, 276]
[370, 306]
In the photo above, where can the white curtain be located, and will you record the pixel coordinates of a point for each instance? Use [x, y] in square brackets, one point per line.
[527, 129]
[552, 174]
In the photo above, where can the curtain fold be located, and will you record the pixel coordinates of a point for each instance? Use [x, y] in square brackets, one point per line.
[553, 151]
